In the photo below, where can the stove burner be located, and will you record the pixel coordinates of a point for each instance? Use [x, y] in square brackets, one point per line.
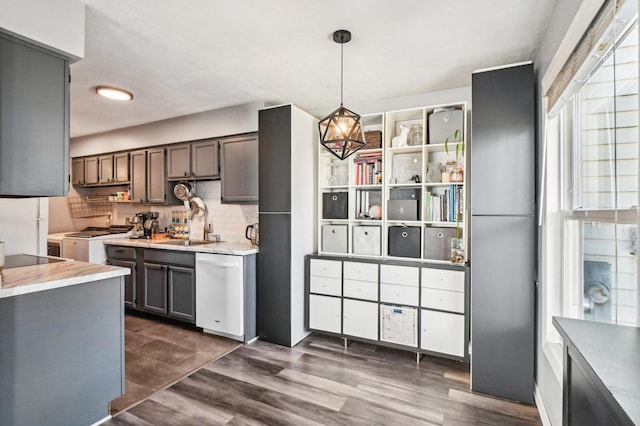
[19, 260]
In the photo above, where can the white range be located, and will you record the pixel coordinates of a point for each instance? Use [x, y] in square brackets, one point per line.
[88, 245]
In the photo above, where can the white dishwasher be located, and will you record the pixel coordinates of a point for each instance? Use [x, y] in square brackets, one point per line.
[220, 294]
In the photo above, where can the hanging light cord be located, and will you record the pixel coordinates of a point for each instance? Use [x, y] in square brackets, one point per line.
[341, 70]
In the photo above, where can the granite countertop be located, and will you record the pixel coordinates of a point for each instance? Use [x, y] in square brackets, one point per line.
[611, 352]
[240, 249]
[31, 279]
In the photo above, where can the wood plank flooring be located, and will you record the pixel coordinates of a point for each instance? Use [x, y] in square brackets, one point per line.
[318, 382]
[158, 354]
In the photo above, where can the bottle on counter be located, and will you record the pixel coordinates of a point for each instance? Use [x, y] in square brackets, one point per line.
[186, 227]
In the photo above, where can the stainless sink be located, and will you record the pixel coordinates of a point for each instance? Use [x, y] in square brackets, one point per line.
[187, 242]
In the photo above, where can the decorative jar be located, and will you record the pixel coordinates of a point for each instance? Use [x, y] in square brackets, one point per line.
[457, 250]
[415, 135]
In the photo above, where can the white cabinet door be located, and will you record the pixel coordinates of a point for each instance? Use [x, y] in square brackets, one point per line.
[360, 319]
[325, 313]
[442, 332]
[219, 293]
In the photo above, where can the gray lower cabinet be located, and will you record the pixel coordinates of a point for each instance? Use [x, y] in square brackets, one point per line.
[239, 169]
[169, 284]
[130, 281]
[167, 280]
[125, 257]
[34, 120]
[155, 288]
[181, 290]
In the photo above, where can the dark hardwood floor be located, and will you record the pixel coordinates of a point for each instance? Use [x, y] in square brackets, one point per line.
[158, 354]
[320, 382]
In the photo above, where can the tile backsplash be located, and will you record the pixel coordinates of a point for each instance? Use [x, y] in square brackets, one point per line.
[228, 220]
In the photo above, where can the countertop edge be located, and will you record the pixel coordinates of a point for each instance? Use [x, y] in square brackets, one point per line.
[77, 279]
[610, 390]
[238, 249]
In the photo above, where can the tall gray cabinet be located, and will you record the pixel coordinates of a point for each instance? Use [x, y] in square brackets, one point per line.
[287, 209]
[34, 120]
[503, 232]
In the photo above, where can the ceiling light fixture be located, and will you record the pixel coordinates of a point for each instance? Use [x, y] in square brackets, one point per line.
[341, 131]
[114, 93]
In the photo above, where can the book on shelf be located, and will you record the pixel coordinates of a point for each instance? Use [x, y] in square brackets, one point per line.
[445, 207]
[368, 170]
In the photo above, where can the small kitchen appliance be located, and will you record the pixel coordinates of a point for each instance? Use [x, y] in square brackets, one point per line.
[252, 233]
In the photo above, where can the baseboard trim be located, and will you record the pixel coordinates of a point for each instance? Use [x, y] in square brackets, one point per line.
[542, 411]
[99, 422]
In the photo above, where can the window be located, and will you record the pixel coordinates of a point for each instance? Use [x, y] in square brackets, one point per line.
[591, 215]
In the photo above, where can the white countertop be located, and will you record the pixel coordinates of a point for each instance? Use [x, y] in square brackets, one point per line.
[31, 279]
[240, 249]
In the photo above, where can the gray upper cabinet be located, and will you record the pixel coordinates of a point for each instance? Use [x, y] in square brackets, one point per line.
[192, 161]
[138, 177]
[121, 167]
[204, 160]
[239, 170]
[100, 170]
[91, 172]
[503, 147]
[34, 120]
[148, 178]
[275, 159]
[156, 177]
[77, 171]
[178, 161]
[105, 169]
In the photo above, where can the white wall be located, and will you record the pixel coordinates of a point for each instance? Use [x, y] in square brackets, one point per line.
[220, 122]
[58, 25]
[440, 97]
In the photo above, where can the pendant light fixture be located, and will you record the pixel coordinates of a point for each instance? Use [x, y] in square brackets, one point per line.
[341, 131]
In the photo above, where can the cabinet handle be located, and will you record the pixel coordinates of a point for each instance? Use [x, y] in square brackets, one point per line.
[119, 251]
[185, 174]
[193, 174]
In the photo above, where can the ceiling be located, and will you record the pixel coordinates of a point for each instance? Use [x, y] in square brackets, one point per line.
[180, 58]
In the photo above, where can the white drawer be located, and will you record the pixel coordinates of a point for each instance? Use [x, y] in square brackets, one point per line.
[360, 289]
[444, 279]
[443, 300]
[326, 268]
[325, 285]
[399, 294]
[361, 271]
[403, 275]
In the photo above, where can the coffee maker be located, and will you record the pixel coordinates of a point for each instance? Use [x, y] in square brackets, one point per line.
[146, 224]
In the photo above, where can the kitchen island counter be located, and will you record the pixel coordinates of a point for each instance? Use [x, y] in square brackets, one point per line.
[62, 351]
[235, 248]
[31, 279]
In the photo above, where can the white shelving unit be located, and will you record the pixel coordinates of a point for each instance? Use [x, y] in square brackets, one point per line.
[402, 168]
